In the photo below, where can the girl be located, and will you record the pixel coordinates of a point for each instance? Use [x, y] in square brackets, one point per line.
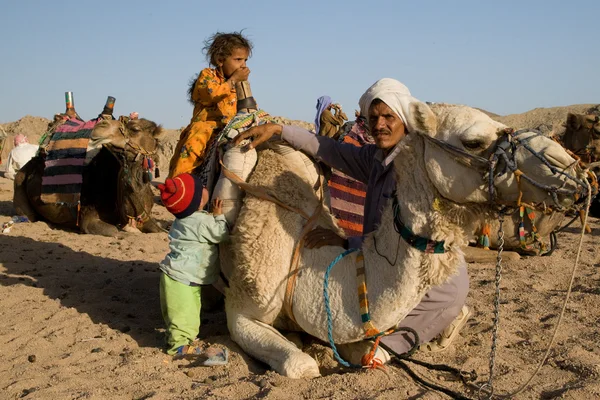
[214, 98]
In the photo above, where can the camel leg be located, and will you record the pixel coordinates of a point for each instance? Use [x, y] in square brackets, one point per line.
[91, 223]
[265, 343]
[20, 199]
[151, 226]
[478, 255]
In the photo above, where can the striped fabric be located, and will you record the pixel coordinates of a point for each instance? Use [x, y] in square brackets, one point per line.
[348, 195]
[65, 159]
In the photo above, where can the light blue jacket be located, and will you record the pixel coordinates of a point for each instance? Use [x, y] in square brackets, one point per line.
[194, 256]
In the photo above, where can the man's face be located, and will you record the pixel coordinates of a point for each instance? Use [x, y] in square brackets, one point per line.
[386, 126]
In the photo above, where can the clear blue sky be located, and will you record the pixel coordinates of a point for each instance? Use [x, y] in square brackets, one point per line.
[506, 57]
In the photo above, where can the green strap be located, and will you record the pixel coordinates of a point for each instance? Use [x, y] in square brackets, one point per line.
[421, 243]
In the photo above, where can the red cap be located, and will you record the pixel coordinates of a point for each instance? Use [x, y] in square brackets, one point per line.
[181, 194]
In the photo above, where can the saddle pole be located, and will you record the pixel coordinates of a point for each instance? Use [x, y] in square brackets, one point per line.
[245, 101]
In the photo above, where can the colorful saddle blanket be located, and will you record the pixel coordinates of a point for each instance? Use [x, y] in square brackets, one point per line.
[66, 157]
[348, 195]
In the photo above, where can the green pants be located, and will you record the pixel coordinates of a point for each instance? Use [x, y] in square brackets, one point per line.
[180, 305]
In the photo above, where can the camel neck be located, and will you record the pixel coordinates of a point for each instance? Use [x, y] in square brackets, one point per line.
[386, 252]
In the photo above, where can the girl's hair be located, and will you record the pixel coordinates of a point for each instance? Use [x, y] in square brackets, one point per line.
[221, 45]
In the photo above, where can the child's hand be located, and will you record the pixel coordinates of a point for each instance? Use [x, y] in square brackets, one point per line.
[217, 206]
[240, 74]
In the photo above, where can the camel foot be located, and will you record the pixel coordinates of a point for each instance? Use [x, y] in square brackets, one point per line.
[299, 365]
[354, 352]
[478, 255]
[131, 229]
[267, 344]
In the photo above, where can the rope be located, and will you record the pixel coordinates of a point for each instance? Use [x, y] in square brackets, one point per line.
[328, 310]
[564, 306]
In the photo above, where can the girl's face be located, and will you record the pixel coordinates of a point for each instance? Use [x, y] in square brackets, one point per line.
[236, 60]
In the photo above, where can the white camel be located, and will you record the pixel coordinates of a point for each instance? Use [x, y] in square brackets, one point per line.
[439, 197]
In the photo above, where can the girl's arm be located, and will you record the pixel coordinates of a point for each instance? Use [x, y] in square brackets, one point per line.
[210, 89]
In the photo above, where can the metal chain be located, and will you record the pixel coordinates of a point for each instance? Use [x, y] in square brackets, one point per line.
[486, 391]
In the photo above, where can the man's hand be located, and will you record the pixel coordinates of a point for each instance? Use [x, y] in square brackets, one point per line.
[259, 134]
[217, 206]
[320, 237]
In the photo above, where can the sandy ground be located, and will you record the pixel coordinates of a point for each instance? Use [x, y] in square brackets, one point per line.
[80, 319]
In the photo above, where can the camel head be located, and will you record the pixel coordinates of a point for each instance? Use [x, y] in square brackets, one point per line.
[582, 136]
[468, 146]
[134, 137]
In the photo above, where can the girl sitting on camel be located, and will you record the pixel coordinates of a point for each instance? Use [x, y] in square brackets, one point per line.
[214, 98]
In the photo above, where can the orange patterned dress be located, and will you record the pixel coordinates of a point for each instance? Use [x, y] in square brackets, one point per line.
[214, 105]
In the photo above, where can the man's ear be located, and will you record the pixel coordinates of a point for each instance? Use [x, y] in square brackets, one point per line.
[422, 118]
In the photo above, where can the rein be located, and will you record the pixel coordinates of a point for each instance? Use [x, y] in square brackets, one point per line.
[503, 155]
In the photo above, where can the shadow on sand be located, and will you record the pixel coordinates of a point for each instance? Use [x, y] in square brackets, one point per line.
[7, 209]
[121, 294]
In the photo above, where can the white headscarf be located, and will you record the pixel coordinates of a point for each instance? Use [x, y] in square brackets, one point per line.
[391, 92]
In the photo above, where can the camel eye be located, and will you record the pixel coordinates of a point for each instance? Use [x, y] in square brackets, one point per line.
[473, 144]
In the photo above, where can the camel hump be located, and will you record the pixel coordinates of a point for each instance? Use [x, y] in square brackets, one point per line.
[299, 162]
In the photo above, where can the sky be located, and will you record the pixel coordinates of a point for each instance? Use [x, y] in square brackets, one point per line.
[506, 57]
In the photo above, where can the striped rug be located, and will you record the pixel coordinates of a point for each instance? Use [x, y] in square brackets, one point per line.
[65, 159]
[348, 195]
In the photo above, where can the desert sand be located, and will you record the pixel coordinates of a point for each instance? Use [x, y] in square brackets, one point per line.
[81, 320]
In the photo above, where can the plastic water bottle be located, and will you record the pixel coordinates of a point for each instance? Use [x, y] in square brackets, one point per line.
[19, 218]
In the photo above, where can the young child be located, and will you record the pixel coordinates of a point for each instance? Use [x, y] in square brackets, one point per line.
[192, 261]
[213, 96]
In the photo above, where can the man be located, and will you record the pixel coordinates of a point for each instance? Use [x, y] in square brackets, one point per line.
[326, 123]
[19, 156]
[441, 311]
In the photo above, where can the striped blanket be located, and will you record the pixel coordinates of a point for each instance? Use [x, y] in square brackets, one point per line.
[65, 159]
[348, 195]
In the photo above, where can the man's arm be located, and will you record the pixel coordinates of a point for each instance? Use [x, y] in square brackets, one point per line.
[10, 169]
[351, 160]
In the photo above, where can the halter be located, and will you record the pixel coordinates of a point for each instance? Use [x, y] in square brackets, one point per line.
[503, 160]
[135, 147]
[124, 157]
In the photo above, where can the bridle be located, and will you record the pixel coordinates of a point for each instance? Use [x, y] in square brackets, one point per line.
[125, 158]
[503, 160]
[137, 149]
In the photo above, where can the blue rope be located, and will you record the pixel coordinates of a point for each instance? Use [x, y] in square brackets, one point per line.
[328, 310]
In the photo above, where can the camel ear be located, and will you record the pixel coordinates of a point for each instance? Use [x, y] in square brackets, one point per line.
[159, 133]
[422, 118]
[573, 122]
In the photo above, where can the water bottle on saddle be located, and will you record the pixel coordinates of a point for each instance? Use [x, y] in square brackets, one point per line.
[70, 107]
[107, 111]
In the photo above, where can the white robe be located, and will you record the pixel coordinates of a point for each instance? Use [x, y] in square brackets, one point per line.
[18, 157]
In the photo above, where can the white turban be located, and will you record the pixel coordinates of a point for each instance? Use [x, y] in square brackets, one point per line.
[391, 92]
